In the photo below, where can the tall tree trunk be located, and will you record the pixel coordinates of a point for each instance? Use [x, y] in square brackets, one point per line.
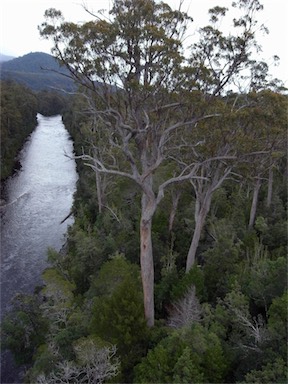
[270, 188]
[148, 206]
[99, 190]
[254, 203]
[201, 212]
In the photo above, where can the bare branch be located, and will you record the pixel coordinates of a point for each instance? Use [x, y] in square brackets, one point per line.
[98, 166]
[185, 311]
[94, 365]
[177, 179]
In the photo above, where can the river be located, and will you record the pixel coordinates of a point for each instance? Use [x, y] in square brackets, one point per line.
[37, 198]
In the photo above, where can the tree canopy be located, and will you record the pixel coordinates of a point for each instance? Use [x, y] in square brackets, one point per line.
[183, 175]
[145, 98]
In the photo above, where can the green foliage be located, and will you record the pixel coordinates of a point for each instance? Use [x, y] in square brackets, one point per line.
[119, 318]
[117, 311]
[189, 355]
[111, 274]
[158, 365]
[265, 280]
[91, 300]
[221, 266]
[58, 304]
[84, 256]
[65, 338]
[249, 343]
[51, 103]
[277, 313]
[278, 324]
[19, 108]
[163, 292]
[273, 372]
[194, 277]
[118, 226]
[24, 329]
[186, 370]
[275, 237]
[44, 361]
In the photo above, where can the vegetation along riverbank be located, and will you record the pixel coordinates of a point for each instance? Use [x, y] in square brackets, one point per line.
[175, 269]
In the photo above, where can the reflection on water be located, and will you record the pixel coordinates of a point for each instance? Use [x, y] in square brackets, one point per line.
[38, 198]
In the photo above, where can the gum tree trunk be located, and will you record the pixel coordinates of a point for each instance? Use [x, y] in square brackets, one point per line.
[254, 203]
[148, 207]
[201, 212]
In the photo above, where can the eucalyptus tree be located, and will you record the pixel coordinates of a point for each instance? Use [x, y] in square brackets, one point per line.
[140, 91]
[218, 63]
[265, 126]
[216, 154]
[128, 64]
[245, 144]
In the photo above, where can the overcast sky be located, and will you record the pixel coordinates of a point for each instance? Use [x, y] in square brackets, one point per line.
[20, 18]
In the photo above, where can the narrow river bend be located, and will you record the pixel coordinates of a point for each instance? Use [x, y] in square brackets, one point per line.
[38, 198]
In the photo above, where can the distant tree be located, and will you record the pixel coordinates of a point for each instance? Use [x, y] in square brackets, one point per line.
[51, 103]
[19, 107]
[248, 132]
[267, 123]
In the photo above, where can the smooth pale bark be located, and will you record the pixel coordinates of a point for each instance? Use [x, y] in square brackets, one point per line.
[254, 203]
[204, 189]
[148, 207]
[201, 212]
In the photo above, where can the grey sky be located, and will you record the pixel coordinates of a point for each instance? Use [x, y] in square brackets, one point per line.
[20, 18]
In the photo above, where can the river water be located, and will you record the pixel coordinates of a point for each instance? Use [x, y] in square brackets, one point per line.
[38, 197]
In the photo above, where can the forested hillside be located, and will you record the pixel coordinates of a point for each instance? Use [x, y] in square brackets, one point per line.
[18, 119]
[37, 71]
[19, 108]
[5, 58]
[175, 267]
[29, 85]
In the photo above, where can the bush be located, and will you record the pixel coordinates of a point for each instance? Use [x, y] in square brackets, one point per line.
[24, 328]
[189, 355]
[118, 313]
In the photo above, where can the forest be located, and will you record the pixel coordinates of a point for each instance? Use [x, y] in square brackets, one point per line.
[175, 269]
[19, 107]
[18, 119]
[37, 71]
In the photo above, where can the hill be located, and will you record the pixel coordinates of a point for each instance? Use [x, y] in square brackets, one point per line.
[38, 71]
[5, 58]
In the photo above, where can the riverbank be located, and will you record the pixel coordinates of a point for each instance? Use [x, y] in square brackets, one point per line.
[35, 201]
